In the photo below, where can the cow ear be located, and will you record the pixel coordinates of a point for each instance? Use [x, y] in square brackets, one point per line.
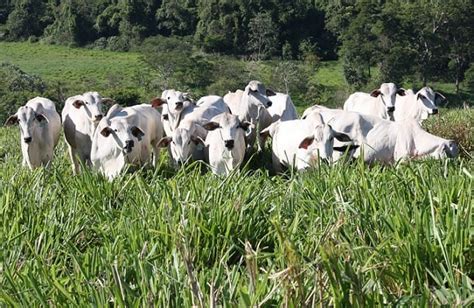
[211, 125]
[164, 142]
[306, 143]
[157, 102]
[245, 125]
[375, 93]
[342, 137]
[197, 140]
[12, 120]
[345, 148]
[78, 103]
[137, 132]
[419, 95]
[41, 118]
[401, 92]
[106, 131]
[107, 101]
[439, 96]
[270, 92]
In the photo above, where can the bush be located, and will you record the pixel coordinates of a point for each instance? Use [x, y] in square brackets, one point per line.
[469, 78]
[125, 97]
[457, 125]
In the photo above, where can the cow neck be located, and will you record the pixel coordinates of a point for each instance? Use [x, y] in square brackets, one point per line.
[175, 121]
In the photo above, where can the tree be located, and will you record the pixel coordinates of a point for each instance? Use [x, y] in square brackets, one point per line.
[26, 19]
[177, 17]
[457, 34]
[263, 36]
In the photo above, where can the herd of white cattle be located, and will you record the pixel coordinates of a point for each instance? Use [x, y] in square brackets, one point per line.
[382, 126]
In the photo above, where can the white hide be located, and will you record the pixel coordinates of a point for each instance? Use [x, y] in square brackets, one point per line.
[184, 143]
[387, 141]
[205, 109]
[418, 106]
[126, 136]
[300, 143]
[379, 103]
[282, 107]
[225, 143]
[80, 116]
[40, 126]
[251, 105]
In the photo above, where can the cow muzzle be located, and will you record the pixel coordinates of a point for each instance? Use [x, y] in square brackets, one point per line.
[269, 103]
[434, 111]
[179, 106]
[128, 146]
[27, 139]
[390, 109]
[98, 117]
[229, 144]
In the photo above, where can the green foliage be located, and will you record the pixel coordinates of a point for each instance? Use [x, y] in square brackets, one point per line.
[336, 236]
[26, 19]
[16, 88]
[457, 125]
[263, 36]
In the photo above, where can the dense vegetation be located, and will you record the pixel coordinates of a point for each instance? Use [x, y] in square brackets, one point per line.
[403, 40]
[346, 235]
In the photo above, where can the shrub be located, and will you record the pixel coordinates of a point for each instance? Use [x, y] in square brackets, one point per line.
[125, 97]
[457, 125]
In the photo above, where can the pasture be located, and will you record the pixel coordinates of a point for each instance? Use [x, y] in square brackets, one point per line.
[342, 235]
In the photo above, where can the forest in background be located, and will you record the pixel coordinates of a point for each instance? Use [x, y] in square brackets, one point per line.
[375, 41]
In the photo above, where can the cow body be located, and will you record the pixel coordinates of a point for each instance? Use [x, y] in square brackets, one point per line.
[379, 103]
[81, 115]
[299, 143]
[40, 126]
[251, 105]
[126, 136]
[418, 106]
[282, 108]
[225, 143]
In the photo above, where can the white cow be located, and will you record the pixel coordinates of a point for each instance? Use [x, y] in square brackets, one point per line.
[81, 115]
[417, 106]
[126, 136]
[225, 143]
[184, 143]
[175, 104]
[40, 126]
[299, 143]
[380, 103]
[178, 102]
[282, 107]
[386, 141]
[179, 107]
[251, 105]
[315, 108]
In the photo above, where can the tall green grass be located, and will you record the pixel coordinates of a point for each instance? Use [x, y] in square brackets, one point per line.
[346, 235]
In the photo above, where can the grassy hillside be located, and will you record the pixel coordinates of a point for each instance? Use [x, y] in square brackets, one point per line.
[74, 66]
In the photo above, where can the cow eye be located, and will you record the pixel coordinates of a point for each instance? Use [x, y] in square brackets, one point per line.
[115, 130]
[169, 97]
[422, 96]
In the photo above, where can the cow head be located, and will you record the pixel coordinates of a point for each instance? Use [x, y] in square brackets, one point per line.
[182, 142]
[388, 94]
[255, 92]
[426, 101]
[125, 136]
[320, 145]
[230, 128]
[29, 121]
[176, 101]
[449, 148]
[91, 103]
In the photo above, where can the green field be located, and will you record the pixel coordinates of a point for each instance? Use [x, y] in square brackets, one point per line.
[77, 69]
[346, 235]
